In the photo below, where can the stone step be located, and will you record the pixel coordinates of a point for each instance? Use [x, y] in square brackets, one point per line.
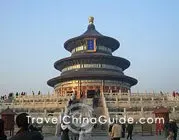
[101, 138]
[97, 132]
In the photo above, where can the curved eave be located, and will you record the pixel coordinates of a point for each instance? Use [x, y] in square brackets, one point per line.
[118, 61]
[122, 78]
[105, 40]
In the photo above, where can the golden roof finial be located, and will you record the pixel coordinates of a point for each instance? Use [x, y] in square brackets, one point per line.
[91, 20]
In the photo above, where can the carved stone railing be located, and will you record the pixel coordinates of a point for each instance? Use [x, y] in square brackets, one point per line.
[105, 105]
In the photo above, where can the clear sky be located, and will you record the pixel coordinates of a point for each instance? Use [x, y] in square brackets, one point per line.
[32, 33]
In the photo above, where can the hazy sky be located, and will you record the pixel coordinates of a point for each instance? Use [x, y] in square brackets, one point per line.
[32, 33]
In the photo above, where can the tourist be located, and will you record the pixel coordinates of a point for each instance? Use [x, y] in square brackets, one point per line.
[123, 130]
[39, 93]
[62, 128]
[24, 133]
[110, 129]
[2, 135]
[95, 101]
[173, 128]
[116, 133]
[98, 93]
[5, 97]
[64, 132]
[58, 126]
[166, 129]
[73, 97]
[74, 135]
[85, 134]
[17, 94]
[70, 103]
[159, 129]
[129, 129]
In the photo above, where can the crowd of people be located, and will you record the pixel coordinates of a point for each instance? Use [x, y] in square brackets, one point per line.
[175, 94]
[11, 96]
[25, 132]
[6, 96]
[28, 132]
[116, 131]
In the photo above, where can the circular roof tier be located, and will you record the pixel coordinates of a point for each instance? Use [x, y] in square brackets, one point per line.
[92, 58]
[79, 75]
[91, 32]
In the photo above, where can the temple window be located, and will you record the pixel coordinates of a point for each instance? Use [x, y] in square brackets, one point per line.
[84, 48]
[78, 66]
[105, 49]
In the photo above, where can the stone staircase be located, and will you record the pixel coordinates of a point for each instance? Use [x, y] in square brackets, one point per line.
[99, 130]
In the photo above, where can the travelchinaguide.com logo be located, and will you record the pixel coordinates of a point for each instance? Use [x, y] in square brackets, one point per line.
[78, 118]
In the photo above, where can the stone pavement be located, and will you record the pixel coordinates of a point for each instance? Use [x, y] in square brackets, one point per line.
[136, 137]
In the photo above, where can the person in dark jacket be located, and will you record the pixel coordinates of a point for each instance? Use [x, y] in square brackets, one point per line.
[74, 135]
[123, 130]
[129, 129]
[173, 128]
[24, 133]
[110, 129]
[166, 129]
[64, 132]
[2, 135]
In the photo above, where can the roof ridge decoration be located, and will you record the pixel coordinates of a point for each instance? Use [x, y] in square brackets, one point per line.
[91, 20]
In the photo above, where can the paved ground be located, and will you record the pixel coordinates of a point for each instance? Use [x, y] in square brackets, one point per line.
[136, 137]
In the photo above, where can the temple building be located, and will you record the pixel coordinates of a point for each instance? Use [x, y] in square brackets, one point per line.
[91, 66]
